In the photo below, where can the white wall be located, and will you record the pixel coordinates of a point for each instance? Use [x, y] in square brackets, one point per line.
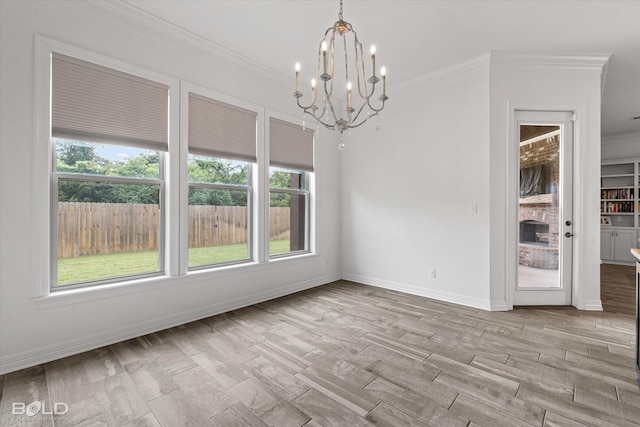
[34, 331]
[621, 146]
[548, 83]
[408, 189]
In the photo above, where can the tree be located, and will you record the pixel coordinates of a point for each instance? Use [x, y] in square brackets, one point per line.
[82, 158]
[71, 153]
[211, 196]
[217, 171]
[139, 167]
[280, 179]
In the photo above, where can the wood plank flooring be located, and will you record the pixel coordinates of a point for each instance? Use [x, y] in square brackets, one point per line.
[346, 354]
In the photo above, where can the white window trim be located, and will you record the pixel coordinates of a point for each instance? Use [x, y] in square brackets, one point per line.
[43, 165]
[176, 242]
[233, 187]
[312, 233]
[255, 185]
[82, 177]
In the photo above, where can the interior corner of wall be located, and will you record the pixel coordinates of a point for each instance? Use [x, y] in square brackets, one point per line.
[500, 305]
[591, 305]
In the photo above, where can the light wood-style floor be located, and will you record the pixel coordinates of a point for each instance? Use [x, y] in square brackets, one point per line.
[352, 355]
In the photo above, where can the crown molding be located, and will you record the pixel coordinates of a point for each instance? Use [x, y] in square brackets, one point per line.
[587, 62]
[622, 138]
[148, 25]
[594, 62]
[446, 76]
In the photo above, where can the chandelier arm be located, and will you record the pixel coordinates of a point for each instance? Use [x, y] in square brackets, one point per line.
[346, 73]
[327, 101]
[325, 124]
[332, 46]
[368, 96]
[318, 118]
[376, 109]
[355, 118]
[324, 108]
[360, 64]
[304, 108]
[362, 122]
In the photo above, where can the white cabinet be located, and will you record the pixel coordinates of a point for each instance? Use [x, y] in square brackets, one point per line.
[616, 244]
[606, 244]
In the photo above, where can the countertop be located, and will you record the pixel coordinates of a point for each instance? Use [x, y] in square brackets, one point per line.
[636, 253]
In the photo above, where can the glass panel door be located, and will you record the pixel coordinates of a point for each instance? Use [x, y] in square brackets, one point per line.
[545, 239]
[538, 209]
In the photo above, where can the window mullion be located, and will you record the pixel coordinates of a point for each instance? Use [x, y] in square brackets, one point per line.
[106, 178]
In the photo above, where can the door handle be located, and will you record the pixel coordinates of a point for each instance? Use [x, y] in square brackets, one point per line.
[567, 234]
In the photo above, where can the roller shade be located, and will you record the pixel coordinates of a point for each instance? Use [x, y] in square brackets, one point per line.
[290, 146]
[218, 129]
[95, 103]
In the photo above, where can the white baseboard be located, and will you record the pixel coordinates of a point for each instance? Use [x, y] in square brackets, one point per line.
[593, 305]
[52, 352]
[500, 306]
[423, 292]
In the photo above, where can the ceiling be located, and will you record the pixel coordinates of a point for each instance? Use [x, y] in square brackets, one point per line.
[418, 37]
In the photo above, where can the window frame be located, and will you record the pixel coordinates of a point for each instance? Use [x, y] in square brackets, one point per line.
[255, 182]
[174, 191]
[233, 187]
[84, 177]
[125, 77]
[46, 176]
[307, 216]
[311, 232]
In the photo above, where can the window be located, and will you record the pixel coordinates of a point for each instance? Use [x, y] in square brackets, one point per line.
[222, 150]
[291, 162]
[137, 182]
[288, 209]
[109, 135]
[219, 211]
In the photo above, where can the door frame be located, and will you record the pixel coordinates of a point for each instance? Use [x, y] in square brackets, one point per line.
[512, 191]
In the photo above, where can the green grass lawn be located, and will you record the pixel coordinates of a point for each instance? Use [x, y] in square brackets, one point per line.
[95, 267]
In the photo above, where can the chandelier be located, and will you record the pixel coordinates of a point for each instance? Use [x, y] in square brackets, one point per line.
[324, 105]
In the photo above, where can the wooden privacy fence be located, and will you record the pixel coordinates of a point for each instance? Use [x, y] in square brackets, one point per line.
[101, 228]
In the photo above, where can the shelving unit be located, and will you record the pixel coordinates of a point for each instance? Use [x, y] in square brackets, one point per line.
[619, 200]
[619, 193]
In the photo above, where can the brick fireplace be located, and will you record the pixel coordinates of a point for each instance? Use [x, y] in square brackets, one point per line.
[541, 250]
[538, 213]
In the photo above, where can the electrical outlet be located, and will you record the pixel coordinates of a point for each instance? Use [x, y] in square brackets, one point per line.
[432, 273]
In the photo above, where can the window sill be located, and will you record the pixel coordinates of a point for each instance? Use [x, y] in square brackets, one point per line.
[67, 297]
[59, 298]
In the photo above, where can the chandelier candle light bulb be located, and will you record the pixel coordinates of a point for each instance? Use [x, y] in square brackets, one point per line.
[340, 49]
[324, 46]
[373, 59]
